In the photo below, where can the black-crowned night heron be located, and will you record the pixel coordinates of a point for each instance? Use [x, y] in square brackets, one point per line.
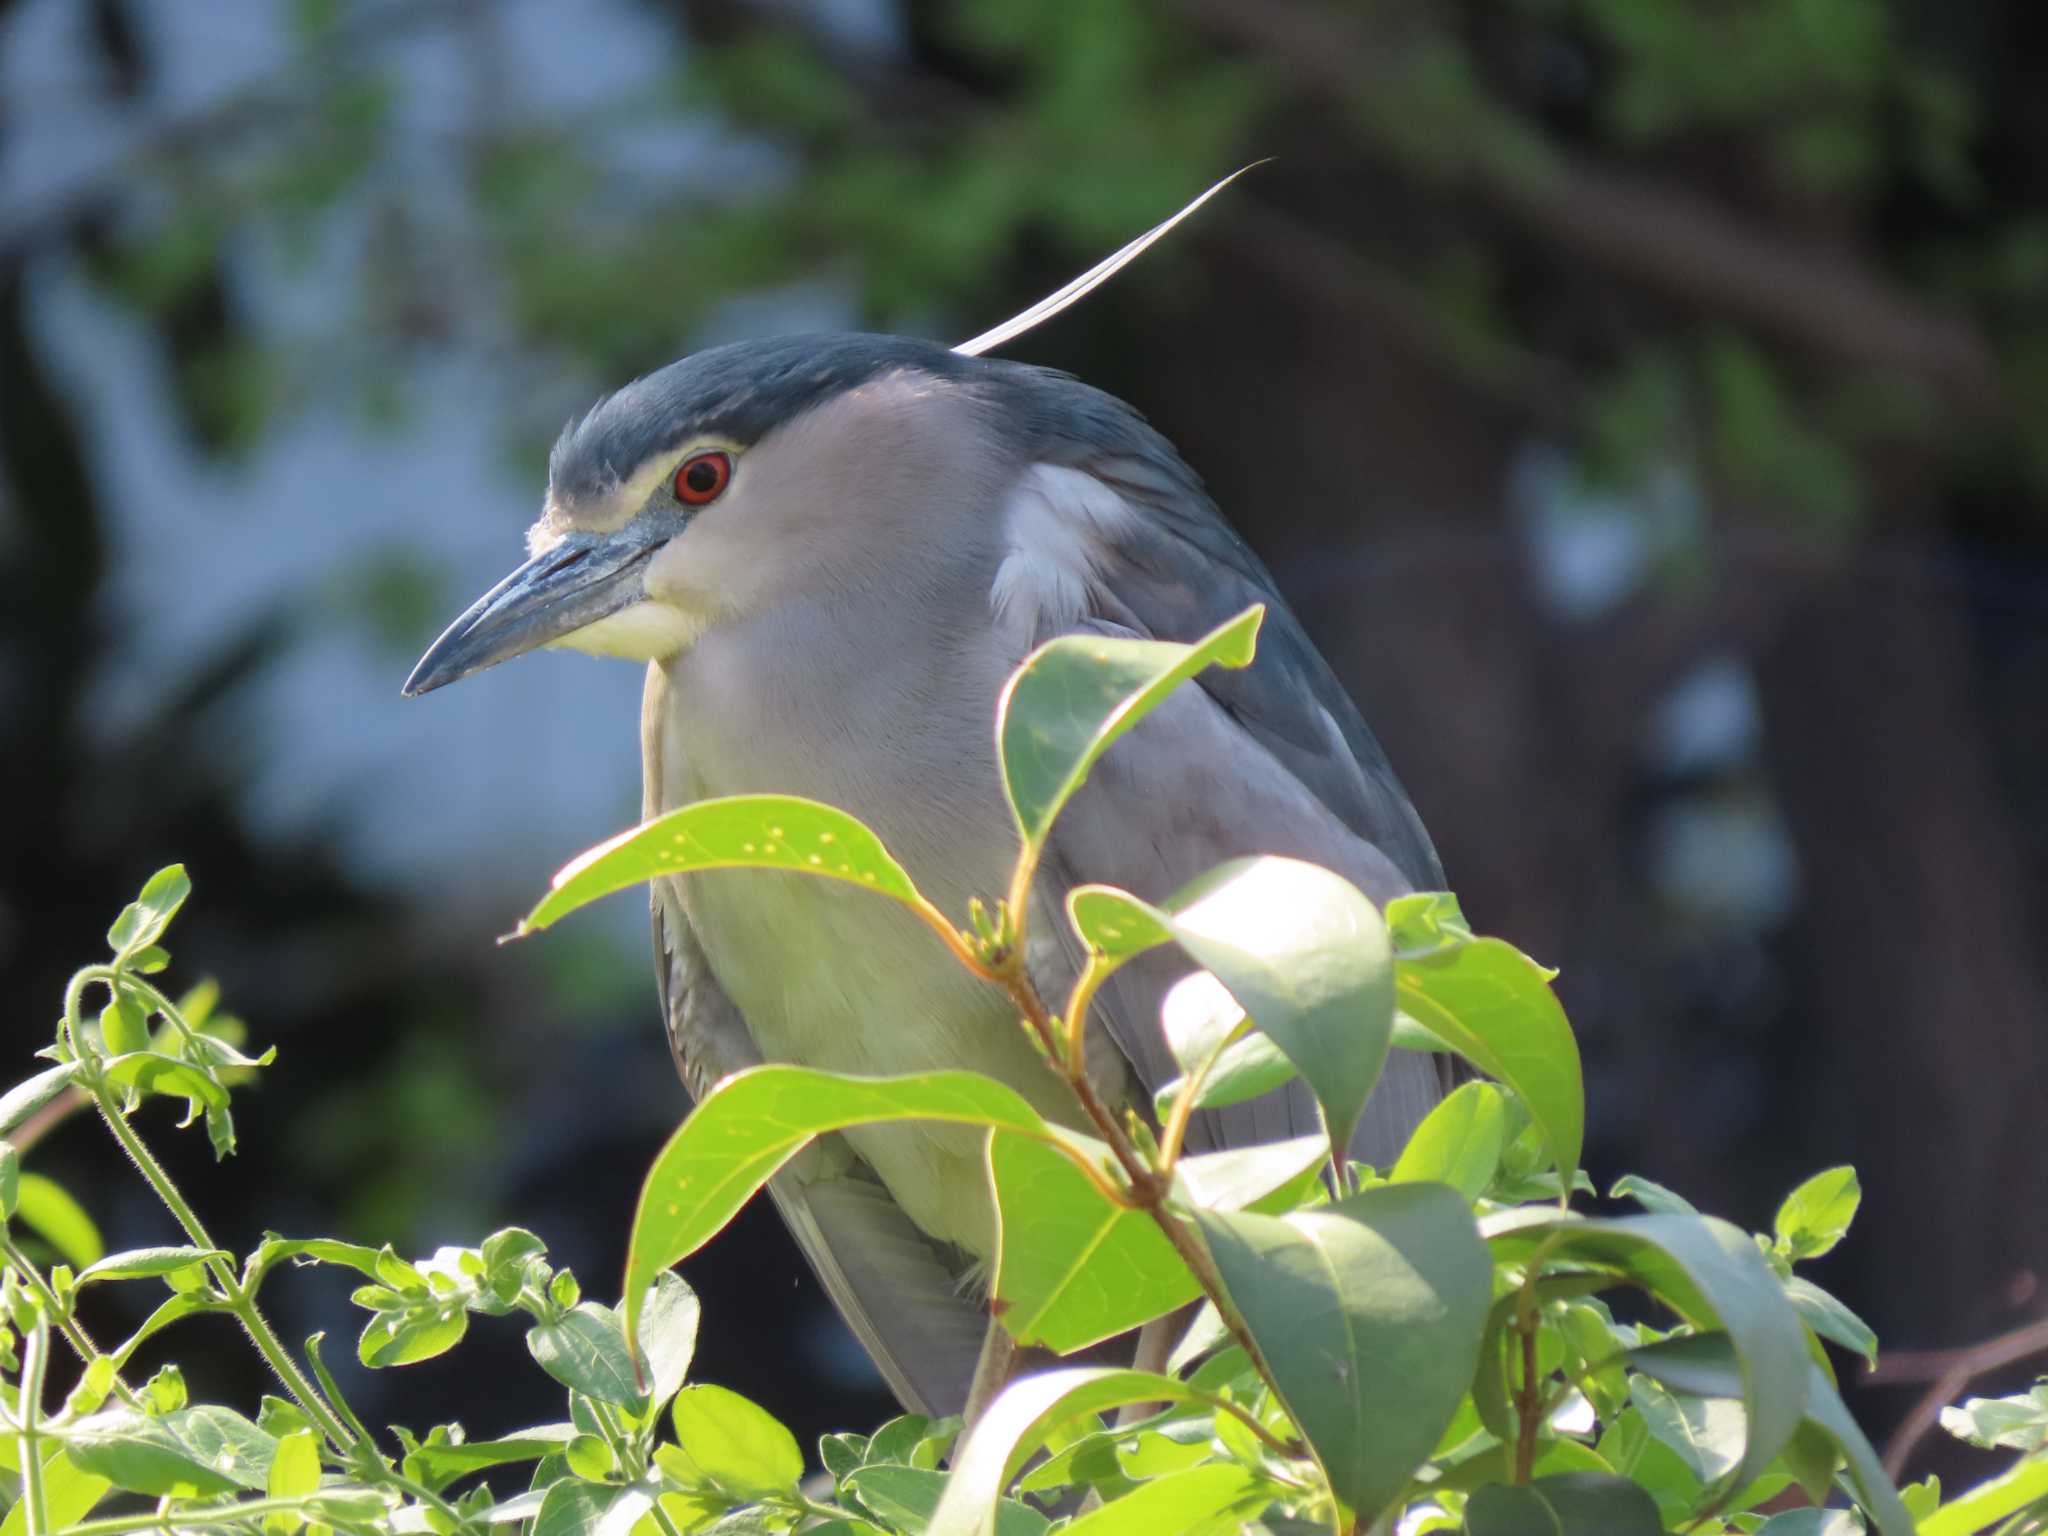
[831, 551]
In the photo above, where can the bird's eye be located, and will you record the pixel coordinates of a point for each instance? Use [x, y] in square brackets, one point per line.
[702, 477]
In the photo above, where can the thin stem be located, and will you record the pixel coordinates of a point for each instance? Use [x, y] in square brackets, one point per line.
[1528, 1396]
[1288, 1449]
[35, 1355]
[198, 1517]
[74, 1333]
[239, 1301]
[963, 952]
[1093, 975]
[1148, 1186]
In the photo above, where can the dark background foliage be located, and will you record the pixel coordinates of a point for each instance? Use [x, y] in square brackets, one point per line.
[1645, 403]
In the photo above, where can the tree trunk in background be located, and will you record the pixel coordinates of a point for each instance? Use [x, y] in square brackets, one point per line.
[1928, 1063]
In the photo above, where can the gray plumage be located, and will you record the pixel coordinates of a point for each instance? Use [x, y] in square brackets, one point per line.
[903, 523]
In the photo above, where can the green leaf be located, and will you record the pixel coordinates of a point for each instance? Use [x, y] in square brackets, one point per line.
[143, 921]
[1826, 1315]
[1247, 1068]
[47, 1209]
[10, 1180]
[143, 1263]
[153, 1072]
[734, 832]
[69, 1494]
[1019, 1421]
[123, 1027]
[319, 1250]
[1458, 1143]
[1980, 1508]
[1306, 955]
[1651, 1196]
[574, 1508]
[294, 1471]
[1493, 1005]
[226, 1442]
[906, 1498]
[1568, 1504]
[1180, 1501]
[2015, 1423]
[1706, 1365]
[586, 1352]
[143, 1455]
[1816, 1215]
[410, 1335]
[442, 1464]
[184, 1304]
[1712, 1274]
[668, 1336]
[1073, 1268]
[1812, 1522]
[1707, 1433]
[755, 1121]
[1369, 1312]
[1075, 695]
[735, 1443]
[1244, 1177]
[31, 1094]
[1426, 921]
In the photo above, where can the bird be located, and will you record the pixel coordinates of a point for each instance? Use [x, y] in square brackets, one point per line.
[830, 551]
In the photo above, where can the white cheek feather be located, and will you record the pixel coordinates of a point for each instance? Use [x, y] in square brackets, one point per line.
[1058, 524]
[645, 631]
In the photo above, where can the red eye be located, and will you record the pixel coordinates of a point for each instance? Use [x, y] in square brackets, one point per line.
[703, 477]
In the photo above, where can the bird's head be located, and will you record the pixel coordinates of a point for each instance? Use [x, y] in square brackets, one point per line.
[689, 495]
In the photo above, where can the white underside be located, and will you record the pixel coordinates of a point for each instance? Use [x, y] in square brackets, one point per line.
[645, 631]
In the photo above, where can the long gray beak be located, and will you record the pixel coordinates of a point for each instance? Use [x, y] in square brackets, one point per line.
[584, 578]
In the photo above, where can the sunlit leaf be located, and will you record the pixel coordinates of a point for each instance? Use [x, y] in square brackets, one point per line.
[141, 1263]
[667, 1333]
[755, 1121]
[1306, 955]
[143, 921]
[1018, 1422]
[585, 1350]
[907, 1497]
[1180, 1501]
[1369, 1312]
[735, 1443]
[735, 832]
[1072, 1267]
[1493, 1005]
[1829, 1317]
[1458, 1143]
[69, 1494]
[48, 1210]
[1816, 1215]
[1075, 695]
[31, 1094]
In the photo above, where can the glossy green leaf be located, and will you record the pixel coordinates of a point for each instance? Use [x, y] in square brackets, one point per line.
[184, 1304]
[294, 1472]
[1816, 1215]
[1426, 921]
[735, 832]
[69, 1494]
[907, 1497]
[572, 1507]
[1179, 1502]
[1568, 1504]
[1369, 1312]
[321, 1250]
[442, 1464]
[1651, 1196]
[1242, 1178]
[1073, 1268]
[33, 1093]
[585, 1350]
[1712, 1274]
[143, 1455]
[1984, 1506]
[1493, 1005]
[1827, 1316]
[1458, 1143]
[1018, 1423]
[1075, 695]
[755, 1121]
[47, 1209]
[143, 921]
[144, 1263]
[408, 1336]
[735, 1443]
[2017, 1422]
[1110, 925]
[1249, 1066]
[1307, 956]
[667, 1333]
[153, 1072]
[1708, 1365]
[1706, 1433]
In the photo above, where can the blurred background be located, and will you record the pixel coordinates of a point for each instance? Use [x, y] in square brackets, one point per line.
[1644, 402]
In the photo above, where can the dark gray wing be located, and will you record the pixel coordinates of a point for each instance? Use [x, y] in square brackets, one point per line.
[1274, 758]
[900, 1293]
